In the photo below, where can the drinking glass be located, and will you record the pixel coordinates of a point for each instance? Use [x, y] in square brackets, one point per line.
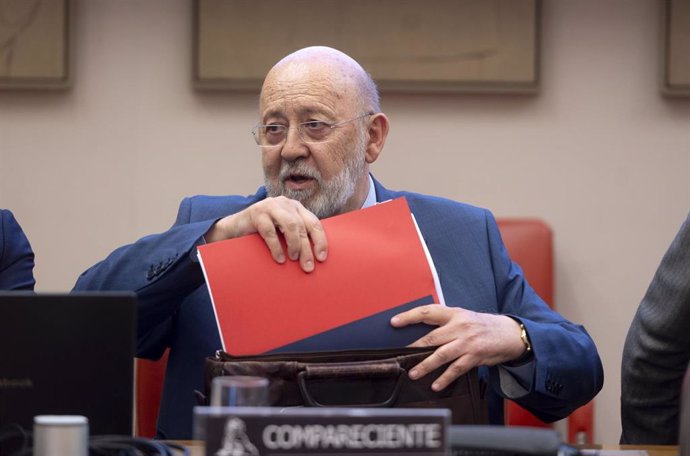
[239, 391]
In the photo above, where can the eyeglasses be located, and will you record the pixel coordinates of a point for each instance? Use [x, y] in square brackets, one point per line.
[314, 131]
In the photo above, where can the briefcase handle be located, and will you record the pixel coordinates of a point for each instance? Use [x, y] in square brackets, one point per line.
[374, 369]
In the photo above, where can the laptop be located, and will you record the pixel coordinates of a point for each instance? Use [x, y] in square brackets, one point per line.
[68, 354]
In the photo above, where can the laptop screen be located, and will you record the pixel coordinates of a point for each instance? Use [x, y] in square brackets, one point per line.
[68, 354]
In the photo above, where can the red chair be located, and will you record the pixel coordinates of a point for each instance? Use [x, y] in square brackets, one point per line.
[149, 386]
[530, 244]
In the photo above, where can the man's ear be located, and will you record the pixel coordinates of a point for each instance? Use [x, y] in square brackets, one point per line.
[377, 133]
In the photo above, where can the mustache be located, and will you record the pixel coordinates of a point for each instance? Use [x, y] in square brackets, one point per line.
[298, 168]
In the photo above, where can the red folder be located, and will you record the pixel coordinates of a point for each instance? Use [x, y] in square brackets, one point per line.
[377, 264]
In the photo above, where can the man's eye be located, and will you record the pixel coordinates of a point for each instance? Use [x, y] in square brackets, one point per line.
[315, 126]
[274, 129]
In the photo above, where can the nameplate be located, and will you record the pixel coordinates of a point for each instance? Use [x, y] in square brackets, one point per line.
[243, 431]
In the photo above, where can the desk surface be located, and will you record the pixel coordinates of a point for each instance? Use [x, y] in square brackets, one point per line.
[652, 450]
[197, 449]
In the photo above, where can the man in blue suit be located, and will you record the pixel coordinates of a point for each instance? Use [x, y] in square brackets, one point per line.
[16, 256]
[320, 128]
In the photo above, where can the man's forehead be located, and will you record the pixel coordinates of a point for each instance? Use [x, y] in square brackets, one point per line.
[296, 109]
[304, 96]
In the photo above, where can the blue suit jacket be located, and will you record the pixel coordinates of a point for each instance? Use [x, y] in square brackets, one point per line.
[473, 267]
[16, 256]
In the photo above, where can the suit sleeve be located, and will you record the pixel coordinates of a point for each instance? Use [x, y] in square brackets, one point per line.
[162, 269]
[566, 370]
[16, 255]
[657, 351]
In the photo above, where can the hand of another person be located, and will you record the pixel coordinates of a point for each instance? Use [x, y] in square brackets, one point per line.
[301, 230]
[465, 339]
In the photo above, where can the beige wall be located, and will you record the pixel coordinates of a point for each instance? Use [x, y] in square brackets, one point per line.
[598, 153]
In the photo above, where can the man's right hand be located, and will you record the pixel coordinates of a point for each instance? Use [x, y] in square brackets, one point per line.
[304, 235]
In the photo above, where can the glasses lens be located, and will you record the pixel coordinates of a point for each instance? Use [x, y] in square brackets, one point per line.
[315, 131]
[269, 135]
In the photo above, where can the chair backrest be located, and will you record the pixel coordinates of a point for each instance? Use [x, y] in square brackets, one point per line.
[149, 386]
[530, 244]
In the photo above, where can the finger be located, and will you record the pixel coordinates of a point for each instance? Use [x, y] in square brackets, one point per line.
[306, 257]
[309, 240]
[307, 253]
[454, 371]
[434, 338]
[267, 230]
[297, 223]
[442, 355]
[431, 314]
[292, 226]
[317, 235]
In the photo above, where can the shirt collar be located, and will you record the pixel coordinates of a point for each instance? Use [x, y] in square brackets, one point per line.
[371, 196]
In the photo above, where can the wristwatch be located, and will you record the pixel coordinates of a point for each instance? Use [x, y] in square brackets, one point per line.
[525, 339]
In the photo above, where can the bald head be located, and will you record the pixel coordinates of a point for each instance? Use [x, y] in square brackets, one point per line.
[324, 65]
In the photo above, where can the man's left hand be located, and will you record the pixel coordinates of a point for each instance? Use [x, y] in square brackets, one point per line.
[465, 339]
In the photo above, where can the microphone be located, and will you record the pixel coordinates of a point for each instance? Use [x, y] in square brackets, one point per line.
[471, 440]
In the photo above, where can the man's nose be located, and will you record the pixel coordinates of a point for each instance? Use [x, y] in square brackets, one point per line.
[294, 146]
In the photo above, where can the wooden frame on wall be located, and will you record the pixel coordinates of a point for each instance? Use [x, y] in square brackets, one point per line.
[675, 68]
[407, 45]
[35, 44]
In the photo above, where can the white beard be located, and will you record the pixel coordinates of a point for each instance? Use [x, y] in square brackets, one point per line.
[329, 197]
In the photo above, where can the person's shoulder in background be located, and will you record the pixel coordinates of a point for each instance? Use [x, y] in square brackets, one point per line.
[657, 351]
[16, 255]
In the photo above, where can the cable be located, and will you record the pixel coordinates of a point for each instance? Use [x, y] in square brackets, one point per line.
[12, 435]
[19, 442]
[119, 445]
